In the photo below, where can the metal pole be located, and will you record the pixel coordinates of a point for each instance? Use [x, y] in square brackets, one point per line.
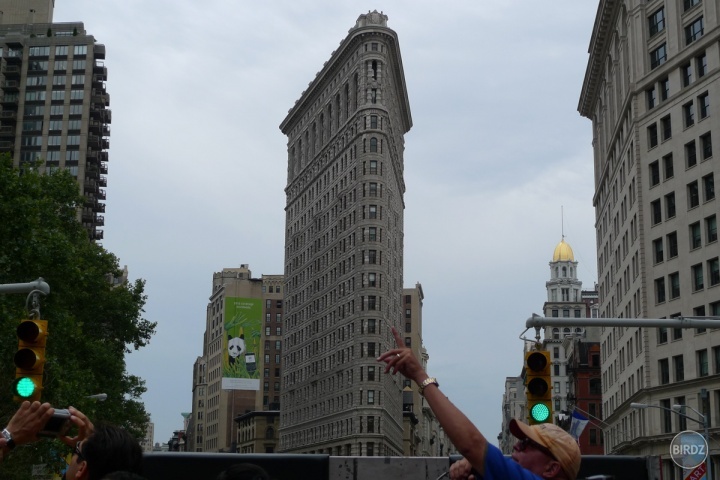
[677, 322]
[37, 285]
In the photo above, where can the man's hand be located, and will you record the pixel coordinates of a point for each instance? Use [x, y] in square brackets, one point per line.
[460, 470]
[402, 360]
[85, 427]
[28, 421]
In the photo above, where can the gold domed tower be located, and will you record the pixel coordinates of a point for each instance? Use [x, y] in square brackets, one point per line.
[563, 252]
[564, 299]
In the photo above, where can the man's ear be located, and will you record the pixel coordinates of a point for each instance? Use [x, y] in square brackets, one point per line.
[82, 470]
[553, 470]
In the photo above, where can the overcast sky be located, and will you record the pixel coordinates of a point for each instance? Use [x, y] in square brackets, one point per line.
[198, 165]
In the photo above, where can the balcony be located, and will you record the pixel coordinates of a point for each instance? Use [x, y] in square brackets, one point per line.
[101, 194]
[100, 69]
[99, 51]
[103, 156]
[7, 131]
[100, 208]
[105, 144]
[11, 86]
[10, 99]
[7, 146]
[8, 115]
[96, 234]
[94, 142]
[100, 98]
[11, 71]
[100, 220]
[102, 181]
[103, 169]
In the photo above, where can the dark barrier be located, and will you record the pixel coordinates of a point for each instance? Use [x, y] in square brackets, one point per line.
[620, 467]
[207, 466]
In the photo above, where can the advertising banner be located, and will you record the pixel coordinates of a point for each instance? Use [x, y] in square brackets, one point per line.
[241, 344]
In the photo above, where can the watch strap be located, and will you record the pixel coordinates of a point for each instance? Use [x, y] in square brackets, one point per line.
[8, 438]
[426, 382]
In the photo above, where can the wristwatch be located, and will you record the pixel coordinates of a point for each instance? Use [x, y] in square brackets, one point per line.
[8, 438]
[426, 382]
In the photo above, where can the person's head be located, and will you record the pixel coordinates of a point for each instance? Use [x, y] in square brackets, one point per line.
[108, 449]
[546, 450]
[243, 471]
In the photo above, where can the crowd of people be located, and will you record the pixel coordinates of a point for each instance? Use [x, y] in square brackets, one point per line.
[105, 452]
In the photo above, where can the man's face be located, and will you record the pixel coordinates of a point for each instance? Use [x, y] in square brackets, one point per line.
[535, 457]
[77, 468]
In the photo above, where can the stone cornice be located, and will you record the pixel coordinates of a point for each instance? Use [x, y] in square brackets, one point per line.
[337, 58]
[599, 44]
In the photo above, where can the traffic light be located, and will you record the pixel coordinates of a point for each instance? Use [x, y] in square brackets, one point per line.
[30, 359]
[538, 386]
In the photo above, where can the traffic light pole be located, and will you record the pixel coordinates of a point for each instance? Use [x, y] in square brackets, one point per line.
[538, 322]
[29, 287]
[33, 288]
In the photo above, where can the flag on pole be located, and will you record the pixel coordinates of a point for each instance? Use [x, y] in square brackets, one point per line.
[577, 425]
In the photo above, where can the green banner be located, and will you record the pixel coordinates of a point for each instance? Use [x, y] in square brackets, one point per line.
[241, 344]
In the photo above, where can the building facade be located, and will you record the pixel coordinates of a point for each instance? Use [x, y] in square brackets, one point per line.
[585, 388]
[212, 425]
[565, 299]
[344, 249]
[652, 93]
[514, 406]
[54, 104]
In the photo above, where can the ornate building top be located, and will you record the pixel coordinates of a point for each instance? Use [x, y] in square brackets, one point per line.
[563, 252]
[371, 18]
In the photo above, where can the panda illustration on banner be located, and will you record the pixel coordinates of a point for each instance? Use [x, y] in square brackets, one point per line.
[236, 347]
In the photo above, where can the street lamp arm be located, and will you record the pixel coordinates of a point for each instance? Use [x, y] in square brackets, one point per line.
[677, 409]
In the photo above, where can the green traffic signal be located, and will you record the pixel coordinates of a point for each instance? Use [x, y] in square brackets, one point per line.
[540, 412]
[24, 387]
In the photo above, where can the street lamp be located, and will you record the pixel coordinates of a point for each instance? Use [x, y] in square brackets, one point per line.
[677, 409]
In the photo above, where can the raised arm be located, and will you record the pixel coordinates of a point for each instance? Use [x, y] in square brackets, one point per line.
[462, 433]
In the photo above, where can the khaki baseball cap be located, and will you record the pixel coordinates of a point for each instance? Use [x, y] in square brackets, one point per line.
[560, 443]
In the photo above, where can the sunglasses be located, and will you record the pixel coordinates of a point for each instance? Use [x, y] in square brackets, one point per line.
[523, 444]
[78, 452]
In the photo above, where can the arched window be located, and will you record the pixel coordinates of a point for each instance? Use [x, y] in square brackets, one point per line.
[373, 145]
[564, 270]
[374, 69]
[269, 433]
[566, 331]
[557, 272]
[556, 333]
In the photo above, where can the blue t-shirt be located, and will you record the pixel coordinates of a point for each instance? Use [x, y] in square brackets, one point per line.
[500, 467]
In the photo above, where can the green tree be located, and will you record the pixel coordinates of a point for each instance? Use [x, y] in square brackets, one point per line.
[92, 323]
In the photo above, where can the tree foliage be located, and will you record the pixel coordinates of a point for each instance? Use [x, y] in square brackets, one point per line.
[91, 322]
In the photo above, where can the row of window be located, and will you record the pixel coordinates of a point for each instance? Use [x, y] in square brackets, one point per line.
[666, 131]
[52, 140]
[656, 23]
[53, 125]
[670, 242]
[693, 199]
[39, 110]
[60, 50]
[38, 68]
[702, 366]
[711, 268]
[51, 156]
[40, 95]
